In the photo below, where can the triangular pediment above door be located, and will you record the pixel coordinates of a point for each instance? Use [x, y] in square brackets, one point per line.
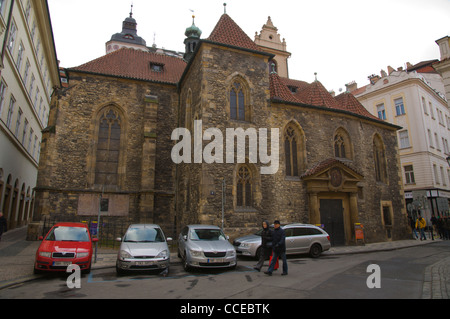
[332, 175]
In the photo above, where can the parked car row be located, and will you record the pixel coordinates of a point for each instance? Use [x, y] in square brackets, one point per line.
[145, 247]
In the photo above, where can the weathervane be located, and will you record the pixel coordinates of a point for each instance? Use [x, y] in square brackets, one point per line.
[131, 12]
[225, 8]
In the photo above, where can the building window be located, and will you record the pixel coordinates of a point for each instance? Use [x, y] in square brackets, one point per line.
[24, 132]
[244, 196]
[156, 67]
[443, 176]
[381, 112]
[409, 174]
[237, 102]
[399, 107]
[2, 95]
[379, 160]
[430, 138]
[12, 102]
[342, 144]
[438, 147]
[12, 36]
[20, 56]
[404, 139]
[291, 149]
[424, 106]
[18, 122]
[339, 146]
[108, 148]
[435, 172]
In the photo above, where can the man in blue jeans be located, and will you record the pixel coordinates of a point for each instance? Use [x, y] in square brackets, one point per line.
[279, 248]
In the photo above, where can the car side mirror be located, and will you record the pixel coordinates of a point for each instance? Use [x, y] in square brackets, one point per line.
[118, 239]
[94, 240]
[228, 237]
[169, 239]
[185, 237]
[41, 238]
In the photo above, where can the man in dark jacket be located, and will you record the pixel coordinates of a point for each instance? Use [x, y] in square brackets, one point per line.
[266, 245]
[279, 249]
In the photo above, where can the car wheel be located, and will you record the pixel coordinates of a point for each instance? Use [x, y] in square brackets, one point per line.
[185, 263]
[258, 253]
[37, 271]
[315, 250]
[119, 271]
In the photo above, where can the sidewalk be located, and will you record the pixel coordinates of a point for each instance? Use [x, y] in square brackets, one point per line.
[17, 258]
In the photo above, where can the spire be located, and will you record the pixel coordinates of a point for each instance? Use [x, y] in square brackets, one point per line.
[192, 34]
[131, 12]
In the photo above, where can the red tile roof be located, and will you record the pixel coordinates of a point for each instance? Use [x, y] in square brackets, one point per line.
[348, 102]
[279, 91]
[228, 32]
[136, 64]
[317, 94]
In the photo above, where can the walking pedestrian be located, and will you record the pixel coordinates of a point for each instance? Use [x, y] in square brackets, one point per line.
[266, 245]
[3, 227]
[420, 225]
[412, 224]
[279, 249]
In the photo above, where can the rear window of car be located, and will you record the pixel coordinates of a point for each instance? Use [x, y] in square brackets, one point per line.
[66, 233]
[302, 231]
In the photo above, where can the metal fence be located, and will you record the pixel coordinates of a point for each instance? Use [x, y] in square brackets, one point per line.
[109, 229]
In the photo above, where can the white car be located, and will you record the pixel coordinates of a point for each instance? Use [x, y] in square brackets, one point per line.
[205, 246]
[144, 247]
[300, 239]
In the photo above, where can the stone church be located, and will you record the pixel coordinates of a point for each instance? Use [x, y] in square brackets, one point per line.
[110, 141]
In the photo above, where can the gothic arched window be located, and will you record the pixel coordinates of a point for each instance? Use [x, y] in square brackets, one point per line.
[291, 145]
[244, 197]
[108, 148]
[379, 160]
[342, 144]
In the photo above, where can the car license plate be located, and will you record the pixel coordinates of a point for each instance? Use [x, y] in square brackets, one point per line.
[144, 263]
[62, 263]
[215, 260]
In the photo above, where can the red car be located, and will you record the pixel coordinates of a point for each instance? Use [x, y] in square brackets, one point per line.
[65, 244]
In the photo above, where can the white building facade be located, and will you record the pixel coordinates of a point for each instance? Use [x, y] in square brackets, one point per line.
[29, 72]
[415, 100]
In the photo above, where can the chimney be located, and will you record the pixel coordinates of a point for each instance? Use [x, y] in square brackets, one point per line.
[351, 86]
[390, 69]
[373, 78]
[444, 47]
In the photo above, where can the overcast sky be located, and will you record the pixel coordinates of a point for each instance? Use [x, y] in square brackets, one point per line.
[342, 41]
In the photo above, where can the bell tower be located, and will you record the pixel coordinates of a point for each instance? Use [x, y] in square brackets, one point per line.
[270, 41]
[192, 34]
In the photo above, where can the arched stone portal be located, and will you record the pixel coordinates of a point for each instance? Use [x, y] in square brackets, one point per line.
[332, 190]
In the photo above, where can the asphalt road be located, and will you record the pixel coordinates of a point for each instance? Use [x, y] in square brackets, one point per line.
[401, 275]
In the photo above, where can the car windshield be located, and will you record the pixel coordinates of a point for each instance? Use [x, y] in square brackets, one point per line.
[144, 235]
[66, 233]
[207, 234]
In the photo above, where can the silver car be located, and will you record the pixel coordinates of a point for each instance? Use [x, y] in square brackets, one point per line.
[205, 246]
[300, 239]
[144, 247]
